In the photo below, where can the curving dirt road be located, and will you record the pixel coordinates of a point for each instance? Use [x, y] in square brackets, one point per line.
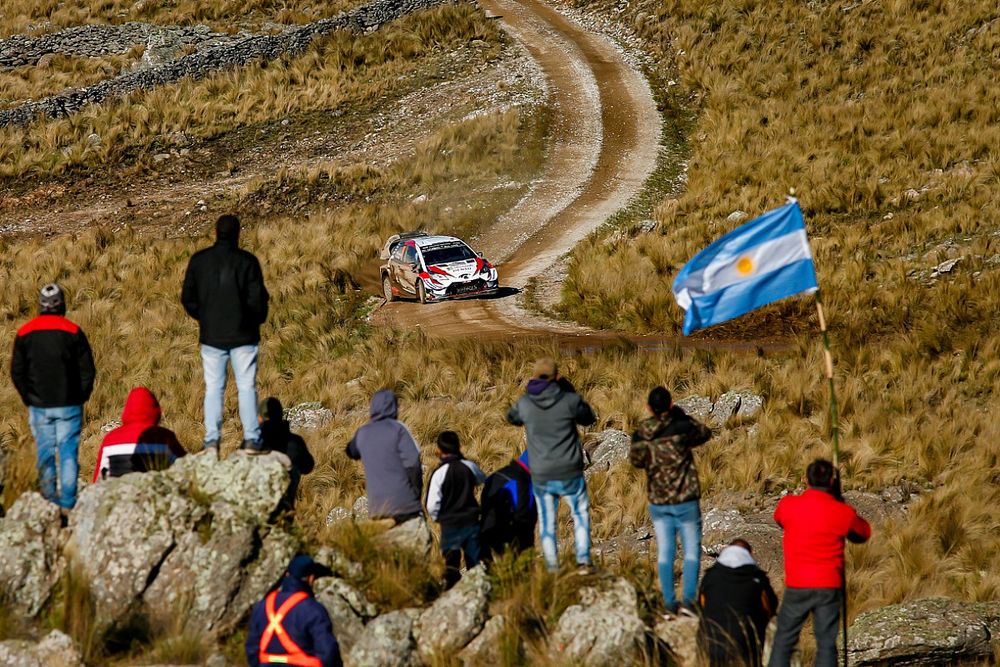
[603, 145]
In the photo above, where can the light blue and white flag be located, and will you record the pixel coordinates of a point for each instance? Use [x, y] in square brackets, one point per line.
[765, 260]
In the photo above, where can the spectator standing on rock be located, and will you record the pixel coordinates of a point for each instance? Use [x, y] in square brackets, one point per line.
[662, 445]
[451, 501]
[277, 437]
[140, 443]
[224, 290]
[550, 412]
[509, 509]
[289, 626]
[391, 458]
[816, 523]
[53, 370]
[737, 602]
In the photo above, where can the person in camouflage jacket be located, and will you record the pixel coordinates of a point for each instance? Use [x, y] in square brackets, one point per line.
[662, 445]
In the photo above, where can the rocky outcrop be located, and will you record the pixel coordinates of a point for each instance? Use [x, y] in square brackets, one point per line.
[734, 403]
[606, 450]
[308, 416]
[484, 649]
[203, 525]
[604, 630]
[455, 618]
[54, 650]
[349, 609]
[387, 641]
[31, 542]
[680, 635]
[228, 55]
[933, 631]
[414, 535]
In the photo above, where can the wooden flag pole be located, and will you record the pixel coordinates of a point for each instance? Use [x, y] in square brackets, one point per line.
[835, 431]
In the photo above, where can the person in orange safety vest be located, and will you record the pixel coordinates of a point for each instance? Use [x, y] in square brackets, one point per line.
[289, 626]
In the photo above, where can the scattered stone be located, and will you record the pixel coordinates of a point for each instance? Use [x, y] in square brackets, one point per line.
[606, 449]
[698, 407]
[111, 426]
[161, 157]
[741, 404]
[31, 541]
[945, 267]
[603, 630]
[56, 649]
[680, 635]
[414, 535]
[483, 649]
[737, 216]
[337, 515]
[387, 641]
[308, 416]
[45, 61]
[93, 139]
[455, 618]
[932, 631]
[360, 509]
[419, 199]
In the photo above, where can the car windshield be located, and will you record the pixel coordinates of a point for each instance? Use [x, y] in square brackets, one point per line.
[446, 254]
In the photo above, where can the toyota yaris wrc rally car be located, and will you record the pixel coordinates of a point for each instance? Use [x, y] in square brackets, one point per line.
[433, 268]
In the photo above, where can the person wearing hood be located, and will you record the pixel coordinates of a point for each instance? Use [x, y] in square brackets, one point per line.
[276, 436]
[224, 290]
[290, 626]
[391, 459]
[550, 412]
[52, 367]
[509, 509]
[661, 445]
[140, 443]
[737, 602]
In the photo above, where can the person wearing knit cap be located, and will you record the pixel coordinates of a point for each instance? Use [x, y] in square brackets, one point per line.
[53, 370]
[224, 290]
[276, 436]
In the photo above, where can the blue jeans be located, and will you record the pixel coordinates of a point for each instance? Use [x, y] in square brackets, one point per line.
[668, 521]
[57, 432]
[215, 361]
[547, 496]
[454, 543]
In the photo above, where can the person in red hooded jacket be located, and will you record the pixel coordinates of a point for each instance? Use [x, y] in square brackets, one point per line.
[140, 443]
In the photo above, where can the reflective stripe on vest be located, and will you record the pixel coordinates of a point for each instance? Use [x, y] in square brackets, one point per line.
[293, 654]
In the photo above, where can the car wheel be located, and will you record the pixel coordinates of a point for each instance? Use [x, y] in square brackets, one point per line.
[387, 288]
[421, 291]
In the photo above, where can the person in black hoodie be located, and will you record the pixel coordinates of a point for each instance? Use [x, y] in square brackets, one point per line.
[509, 509]
[53, 370]
[224, 290]
[451, 501]
[737, 602]
[276, 436]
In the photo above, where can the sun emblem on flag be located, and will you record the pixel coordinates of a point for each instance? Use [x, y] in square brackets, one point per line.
[745, 266]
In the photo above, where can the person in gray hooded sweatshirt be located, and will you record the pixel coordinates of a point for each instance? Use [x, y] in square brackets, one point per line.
[391, 457]
[550, 412]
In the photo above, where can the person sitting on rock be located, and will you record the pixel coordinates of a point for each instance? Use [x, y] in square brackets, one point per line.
[737, 602]
[816, 523]
[277, 437]
[451, 501]
[550, 412]
[661, 446]
[509, 512]
[140, 444]
[391, 459]
[289, 626]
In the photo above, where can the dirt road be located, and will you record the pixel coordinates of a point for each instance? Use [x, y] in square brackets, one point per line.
[605, 135]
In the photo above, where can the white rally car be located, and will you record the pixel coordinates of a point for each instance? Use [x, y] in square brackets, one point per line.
[433, 268]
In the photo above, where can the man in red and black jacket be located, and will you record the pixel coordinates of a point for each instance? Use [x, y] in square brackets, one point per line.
[53, 370]
[816, 523]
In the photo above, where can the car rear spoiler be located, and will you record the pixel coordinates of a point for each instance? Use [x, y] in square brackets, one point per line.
[394, 240]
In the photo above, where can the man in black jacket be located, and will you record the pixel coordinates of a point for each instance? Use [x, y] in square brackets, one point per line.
[53, 370]
[276, 436]
[509, 510]
[737, 602]
[224, 290]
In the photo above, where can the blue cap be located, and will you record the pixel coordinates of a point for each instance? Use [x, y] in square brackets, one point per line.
[303, 566]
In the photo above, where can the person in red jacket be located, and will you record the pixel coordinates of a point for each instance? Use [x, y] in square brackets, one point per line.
[140, 443]
[816, 523]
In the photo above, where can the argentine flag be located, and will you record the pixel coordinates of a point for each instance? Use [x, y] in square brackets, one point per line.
[765, 260]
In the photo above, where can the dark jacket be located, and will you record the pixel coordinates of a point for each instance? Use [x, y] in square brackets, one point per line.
[451, 493]
[52, 365]
[391, 458]
[550, 415]
[508, 509]
[224, 290]
[308, 625]
[276, 436]
[662, 446]
[737, 601]
[140, 443]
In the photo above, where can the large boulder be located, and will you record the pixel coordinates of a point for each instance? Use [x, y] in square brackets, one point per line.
[54, 650]
[932, 631]
[607, 449]
[604, 630]
[387, 641]
[722, 526]
[414, 535]
[349, 609]
[455, 618]
[31, 542]
[680, 634]
[485, 649]
[187, 540]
